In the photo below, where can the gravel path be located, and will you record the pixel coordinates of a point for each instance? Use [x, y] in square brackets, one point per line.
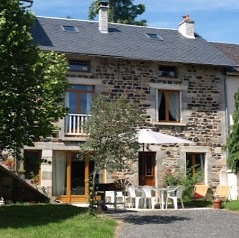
[200, 223]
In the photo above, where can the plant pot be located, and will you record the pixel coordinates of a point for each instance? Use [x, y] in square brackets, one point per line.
[217, 204]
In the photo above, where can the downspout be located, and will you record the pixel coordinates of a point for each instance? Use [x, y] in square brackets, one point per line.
[227, 122]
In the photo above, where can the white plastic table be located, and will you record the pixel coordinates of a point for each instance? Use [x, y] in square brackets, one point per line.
[161, 192]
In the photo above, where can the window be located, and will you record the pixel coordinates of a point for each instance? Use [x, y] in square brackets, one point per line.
[153, 36]
[70, 28]
[79, 98]
[195, 164]
[78, 65]
[168, 105]
[32, 162]
[167, 71]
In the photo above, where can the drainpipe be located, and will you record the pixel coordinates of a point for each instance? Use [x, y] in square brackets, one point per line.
[227, 122]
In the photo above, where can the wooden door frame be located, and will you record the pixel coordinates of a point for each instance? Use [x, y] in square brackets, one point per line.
[153, 155]
[68, 198]
[75, 198]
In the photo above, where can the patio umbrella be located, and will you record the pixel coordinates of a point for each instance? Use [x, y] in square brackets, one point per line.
[147, 136]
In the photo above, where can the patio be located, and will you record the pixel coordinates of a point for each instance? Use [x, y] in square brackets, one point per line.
[141, 197]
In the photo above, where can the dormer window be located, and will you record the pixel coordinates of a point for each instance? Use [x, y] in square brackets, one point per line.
[79, 65]
[167, 71]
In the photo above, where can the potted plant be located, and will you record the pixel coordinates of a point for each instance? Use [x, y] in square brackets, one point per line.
[217, 202]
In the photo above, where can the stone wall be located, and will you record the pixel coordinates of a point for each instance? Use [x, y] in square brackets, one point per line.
[202, 107]
[203, 115]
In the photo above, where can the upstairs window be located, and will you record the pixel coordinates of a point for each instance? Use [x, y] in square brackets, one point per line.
[167, 71]
[79, 98]
[79, 65]
[168, 105]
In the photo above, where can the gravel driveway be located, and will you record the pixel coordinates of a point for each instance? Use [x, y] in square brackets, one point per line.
[200, 223]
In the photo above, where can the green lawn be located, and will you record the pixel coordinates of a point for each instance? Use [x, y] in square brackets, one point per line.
[53, 221]
[231, 205]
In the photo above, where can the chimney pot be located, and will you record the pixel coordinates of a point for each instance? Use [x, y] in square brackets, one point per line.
[186, 17]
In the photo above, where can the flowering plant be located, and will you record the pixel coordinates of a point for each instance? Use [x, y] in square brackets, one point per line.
[35, 178]
[9, 163]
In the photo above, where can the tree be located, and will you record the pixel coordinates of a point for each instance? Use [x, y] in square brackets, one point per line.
[33, 82]
[112, 138]
[120, 11]
[232, 144]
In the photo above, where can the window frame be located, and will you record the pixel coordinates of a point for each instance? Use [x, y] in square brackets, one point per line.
[154, 36]
[202, 166]
[79, 93]
[167, 113]
[84, 62]
[167, 69]
[67, 27]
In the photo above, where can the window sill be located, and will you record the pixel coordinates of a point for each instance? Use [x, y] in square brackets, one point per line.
[170, 79]
[79, 72]
[169, 123]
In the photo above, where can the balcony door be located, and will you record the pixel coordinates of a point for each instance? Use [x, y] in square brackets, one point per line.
[78, 100]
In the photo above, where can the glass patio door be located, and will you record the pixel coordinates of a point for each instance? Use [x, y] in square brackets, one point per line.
[70, 177]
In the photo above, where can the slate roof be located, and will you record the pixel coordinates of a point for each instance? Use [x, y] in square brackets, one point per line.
[231, 50]
[125, 41]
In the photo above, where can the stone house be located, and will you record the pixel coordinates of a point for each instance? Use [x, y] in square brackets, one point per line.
[231, 87]
[174, 75]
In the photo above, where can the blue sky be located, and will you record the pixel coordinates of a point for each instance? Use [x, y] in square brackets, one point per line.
[215, 20]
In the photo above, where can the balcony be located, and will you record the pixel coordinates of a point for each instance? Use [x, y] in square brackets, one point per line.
[74, 124]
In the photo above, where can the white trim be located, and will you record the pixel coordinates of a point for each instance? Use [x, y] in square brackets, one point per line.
[176, 87]
[170, 123]
[84, 81]
[156, 107]
[202, 150]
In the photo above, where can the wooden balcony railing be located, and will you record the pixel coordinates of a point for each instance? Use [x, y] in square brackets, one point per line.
[74, 124]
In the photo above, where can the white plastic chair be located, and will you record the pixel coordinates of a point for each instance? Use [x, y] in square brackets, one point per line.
[109, 197]
[120, 197]
[149, 195]
[175, 194]
[134, 196]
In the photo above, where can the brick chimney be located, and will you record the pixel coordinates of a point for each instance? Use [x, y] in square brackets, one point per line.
[186, 27]
[103, 17]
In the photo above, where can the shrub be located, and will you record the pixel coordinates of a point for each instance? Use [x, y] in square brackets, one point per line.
[173, 177]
